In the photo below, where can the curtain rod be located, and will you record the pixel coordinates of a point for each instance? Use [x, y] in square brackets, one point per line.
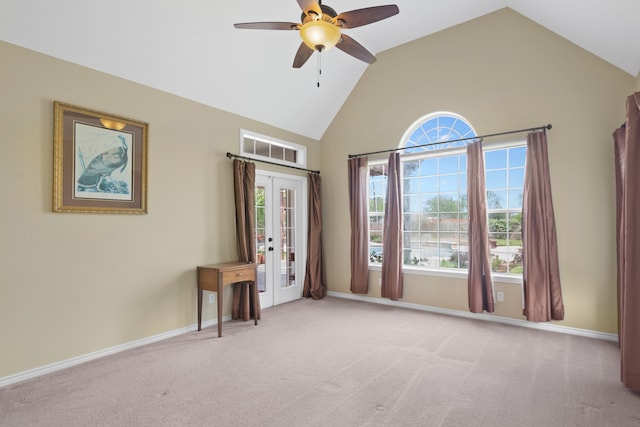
[453, 140]
[235, 156]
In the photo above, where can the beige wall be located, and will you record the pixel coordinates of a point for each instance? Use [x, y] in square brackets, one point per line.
[72, 284]
[501, 72]
[638, 83]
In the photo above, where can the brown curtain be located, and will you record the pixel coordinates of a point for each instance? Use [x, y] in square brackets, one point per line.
[358, 209]
[315, 282]
[392, 234]
[541, 276]
[620, 149]
[627, 150]
[479, 283]
[244, 180]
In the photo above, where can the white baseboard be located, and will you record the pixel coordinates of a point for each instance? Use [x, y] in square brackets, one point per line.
[488, 317]
[43, 370]
[47, 369]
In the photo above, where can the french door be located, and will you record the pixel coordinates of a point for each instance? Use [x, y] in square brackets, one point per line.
[280, 237]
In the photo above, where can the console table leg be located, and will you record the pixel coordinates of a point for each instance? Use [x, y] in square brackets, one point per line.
[220, 288]
[200, 292]
[255, 296]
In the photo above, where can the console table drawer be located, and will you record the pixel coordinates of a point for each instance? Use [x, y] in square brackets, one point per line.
[245, 275]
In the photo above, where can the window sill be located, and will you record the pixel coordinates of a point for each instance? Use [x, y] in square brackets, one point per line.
[497, 277]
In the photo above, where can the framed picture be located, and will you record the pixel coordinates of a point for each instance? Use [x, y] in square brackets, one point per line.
[100, 162]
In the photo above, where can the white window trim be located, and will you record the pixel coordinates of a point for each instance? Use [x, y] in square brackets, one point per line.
[454, 273]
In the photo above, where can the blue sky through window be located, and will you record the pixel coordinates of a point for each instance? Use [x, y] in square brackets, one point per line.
[441, 128]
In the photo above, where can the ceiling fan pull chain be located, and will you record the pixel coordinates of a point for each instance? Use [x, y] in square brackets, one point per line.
[319, 66]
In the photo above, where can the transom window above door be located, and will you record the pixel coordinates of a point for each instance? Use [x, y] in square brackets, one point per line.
[265, 148]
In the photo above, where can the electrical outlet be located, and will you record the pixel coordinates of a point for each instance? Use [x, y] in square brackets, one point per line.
[212, 298]
[500, 296]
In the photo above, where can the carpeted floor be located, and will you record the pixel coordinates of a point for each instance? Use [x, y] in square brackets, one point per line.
[339, 362]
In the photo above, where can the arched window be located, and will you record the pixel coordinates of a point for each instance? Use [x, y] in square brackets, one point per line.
[434, 203]
[437, 127]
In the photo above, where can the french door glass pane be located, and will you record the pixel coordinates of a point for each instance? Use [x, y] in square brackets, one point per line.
[260, 239]
[287, 236]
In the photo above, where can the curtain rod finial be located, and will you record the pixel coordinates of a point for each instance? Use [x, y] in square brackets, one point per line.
[549, 126]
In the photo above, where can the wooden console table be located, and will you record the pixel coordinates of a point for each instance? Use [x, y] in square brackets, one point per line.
[216, 276]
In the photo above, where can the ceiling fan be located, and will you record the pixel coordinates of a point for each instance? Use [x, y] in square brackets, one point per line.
[320, 29]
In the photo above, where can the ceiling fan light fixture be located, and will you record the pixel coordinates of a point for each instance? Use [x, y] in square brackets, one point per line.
[320, 35]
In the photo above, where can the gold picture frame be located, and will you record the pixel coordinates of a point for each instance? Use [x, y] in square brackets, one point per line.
[100, 162]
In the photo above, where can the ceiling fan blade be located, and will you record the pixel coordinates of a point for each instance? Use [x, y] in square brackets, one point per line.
[268, 25]
[304, 53]
[307, 5]
[359, 17]
[355, 49]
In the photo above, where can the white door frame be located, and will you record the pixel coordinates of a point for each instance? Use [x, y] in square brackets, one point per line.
[271, 297]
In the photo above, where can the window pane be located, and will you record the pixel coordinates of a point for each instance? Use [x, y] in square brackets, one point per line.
[515, 240]
[449, 202]
[517, 156]
[448, 241]
[463, 202]
[411, 204]
[262, 149]
[376, 204]
[411, 185]
[464, 226]
[290, 155]
[411, 240]
[429, 222]
[448, 164]
[515, 223]
[496, 199]
[430, 203]
[498, 223]
[463, 162]
[429, 166]
[378, 171]
[496, 179]
[411, 257]
[429, 184]
[411, 222]
[432, 135]
[515, 199]
[247, 145]
[259, 217]
[377, 189]
[411, 168]
[448, 183]
[495, 159]
[446, 121]
[516, 178]
[449, 222]
[462, 128]
[277, 152]
[375, 253]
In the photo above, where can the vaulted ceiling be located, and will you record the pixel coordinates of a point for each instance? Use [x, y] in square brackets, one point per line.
[190, 47]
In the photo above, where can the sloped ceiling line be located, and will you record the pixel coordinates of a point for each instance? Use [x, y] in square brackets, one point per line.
[190, 48]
